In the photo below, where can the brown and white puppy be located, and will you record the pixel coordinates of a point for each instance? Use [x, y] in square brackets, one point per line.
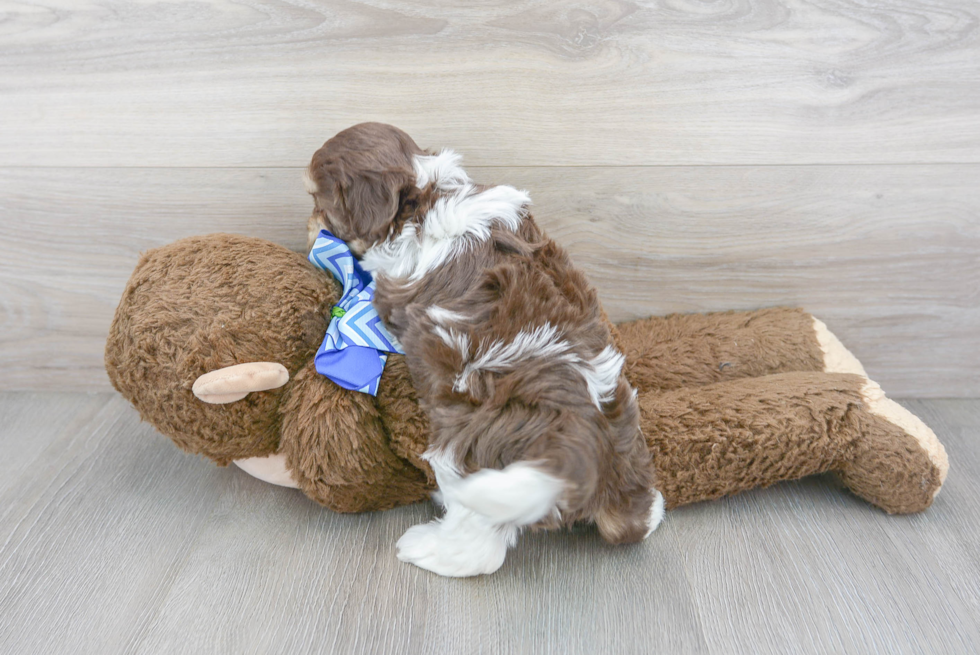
[532, 421]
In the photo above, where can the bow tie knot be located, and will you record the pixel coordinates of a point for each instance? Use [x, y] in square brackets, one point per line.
[354, 351]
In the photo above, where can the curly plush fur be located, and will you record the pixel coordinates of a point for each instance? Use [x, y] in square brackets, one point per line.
[195, 306]
[728, 402]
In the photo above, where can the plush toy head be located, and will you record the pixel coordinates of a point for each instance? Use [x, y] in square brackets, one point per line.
[205, 303]
[202, 304]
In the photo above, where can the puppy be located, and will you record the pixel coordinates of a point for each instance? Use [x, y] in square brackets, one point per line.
[533, 423]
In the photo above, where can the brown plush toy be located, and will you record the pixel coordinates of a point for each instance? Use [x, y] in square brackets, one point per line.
[214, 338]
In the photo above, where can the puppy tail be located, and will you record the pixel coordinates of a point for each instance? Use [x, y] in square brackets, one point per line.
[521, 493]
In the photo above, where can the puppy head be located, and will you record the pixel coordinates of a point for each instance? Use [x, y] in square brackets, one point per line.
[357, 180]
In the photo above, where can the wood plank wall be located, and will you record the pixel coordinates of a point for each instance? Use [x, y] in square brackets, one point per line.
[693, 156]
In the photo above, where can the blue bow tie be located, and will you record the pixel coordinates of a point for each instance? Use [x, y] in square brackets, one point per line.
[353, 354]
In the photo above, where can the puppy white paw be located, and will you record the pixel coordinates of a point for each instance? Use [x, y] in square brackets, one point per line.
[460, 552]
[656, 516]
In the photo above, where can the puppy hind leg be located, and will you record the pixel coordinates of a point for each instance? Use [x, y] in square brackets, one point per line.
[633, 517]
[460, 544]
[521, 493]
[484, 512]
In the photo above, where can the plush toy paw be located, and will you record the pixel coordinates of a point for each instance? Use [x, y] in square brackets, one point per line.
[836, 358]
[271, 468]
[460, 545]
[898, 463]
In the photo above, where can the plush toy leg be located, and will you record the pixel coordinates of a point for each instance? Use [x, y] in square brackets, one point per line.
[719, 439]
[689, 350]
[338, 451]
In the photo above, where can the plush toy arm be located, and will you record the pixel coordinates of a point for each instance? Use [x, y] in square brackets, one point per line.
[401, 413]
[232, 383]
[688, 350]
[719, 439]
[338, 451]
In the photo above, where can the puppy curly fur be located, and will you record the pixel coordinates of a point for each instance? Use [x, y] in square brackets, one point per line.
[533, 422]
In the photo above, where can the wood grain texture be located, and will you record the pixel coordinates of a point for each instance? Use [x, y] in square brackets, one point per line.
[692, 156]
[114, 541]
[888, 256]
[832, 574]
[594, 82]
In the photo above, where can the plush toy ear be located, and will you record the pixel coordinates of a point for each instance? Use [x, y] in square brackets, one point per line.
[232, 383]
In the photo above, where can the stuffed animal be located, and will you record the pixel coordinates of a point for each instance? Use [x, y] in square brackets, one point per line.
[214, 343]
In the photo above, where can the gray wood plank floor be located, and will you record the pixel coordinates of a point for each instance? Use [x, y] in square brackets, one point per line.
[113, 541]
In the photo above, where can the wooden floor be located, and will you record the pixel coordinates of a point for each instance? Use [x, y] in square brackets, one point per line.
[113, 541]
[692, 155]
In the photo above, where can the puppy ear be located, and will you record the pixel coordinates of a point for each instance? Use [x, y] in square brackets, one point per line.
[371, 200]
[358, 177]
